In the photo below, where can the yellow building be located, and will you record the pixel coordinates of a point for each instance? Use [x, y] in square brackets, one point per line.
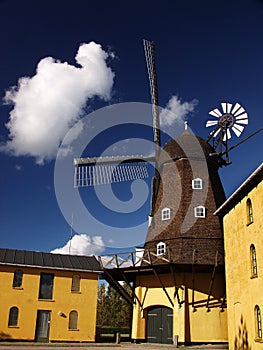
[183, 312]
[243, 228]
[47, 297]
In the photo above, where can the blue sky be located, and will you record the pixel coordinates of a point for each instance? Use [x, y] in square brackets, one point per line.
[206, 53]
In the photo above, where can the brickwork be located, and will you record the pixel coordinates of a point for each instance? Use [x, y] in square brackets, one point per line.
[184, 233]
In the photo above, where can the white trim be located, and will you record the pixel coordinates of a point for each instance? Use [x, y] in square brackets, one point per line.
[166, 214]
[197, 184]
[199, 211]
[161, 248]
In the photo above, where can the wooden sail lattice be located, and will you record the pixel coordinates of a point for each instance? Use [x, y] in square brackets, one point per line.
[107, 170]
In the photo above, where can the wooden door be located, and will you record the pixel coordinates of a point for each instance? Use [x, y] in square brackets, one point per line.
[160, 325]
[42, 326]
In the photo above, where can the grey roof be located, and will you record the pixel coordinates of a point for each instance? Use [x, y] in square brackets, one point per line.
[251, 182]
[49, 260]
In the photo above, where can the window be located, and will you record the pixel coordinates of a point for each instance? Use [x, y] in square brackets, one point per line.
[75, 285]
[13, 317]
[199, 211]
[249, 212]
[73, 320]
[258, 322]
[161, 248]
[197, 184]
[166, 213]
[253, 260]
[46, 286]
[17, 280]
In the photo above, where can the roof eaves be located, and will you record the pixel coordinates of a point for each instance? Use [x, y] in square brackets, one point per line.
[241, 191]
[50, 267]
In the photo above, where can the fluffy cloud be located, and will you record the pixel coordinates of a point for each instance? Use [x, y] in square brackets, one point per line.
[82, 244]
[46, 105]
[176, 111]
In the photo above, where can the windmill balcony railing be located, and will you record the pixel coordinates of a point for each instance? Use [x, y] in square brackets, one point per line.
[147, 257]
[130, 259]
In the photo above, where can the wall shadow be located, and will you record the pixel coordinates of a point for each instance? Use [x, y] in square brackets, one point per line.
[241, 339]
[4, 336]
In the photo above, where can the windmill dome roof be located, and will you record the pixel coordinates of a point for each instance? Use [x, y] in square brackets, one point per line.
[186, 145]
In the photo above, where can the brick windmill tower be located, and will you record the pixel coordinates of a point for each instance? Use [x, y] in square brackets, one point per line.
[182, 294]
[177, 279]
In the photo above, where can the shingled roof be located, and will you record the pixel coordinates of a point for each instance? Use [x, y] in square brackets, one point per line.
[49, 260]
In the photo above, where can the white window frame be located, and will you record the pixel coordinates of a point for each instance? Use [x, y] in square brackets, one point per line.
[166, 214]
[197, 184]
[254, 268]
[199, 211]
[249, 212]
[161, 248]
[258, 322]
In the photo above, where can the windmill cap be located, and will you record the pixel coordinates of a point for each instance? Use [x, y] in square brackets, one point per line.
[186, 145]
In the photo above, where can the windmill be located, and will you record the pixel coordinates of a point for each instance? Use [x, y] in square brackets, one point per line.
[93, 171]
[179, 273]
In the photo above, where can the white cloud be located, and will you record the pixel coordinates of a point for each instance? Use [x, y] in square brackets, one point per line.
[49, 103]
[172, 117]
[82, 244]
[176, 111]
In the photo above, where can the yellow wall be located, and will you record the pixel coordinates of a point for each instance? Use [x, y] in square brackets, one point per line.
[244, 292]
[26, 299]
[191, 325]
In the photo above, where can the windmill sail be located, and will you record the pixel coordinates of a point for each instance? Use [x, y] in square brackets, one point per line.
[150, 61]
[107, 170]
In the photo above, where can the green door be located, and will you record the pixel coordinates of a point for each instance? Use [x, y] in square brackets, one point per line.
[42, 326]
[160, 325]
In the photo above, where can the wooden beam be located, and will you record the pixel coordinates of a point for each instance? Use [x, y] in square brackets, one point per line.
[193, 281]
[163, 287]
[118, 287]
[212, 281]
[144, 297]
[132, 289]
[176, 293]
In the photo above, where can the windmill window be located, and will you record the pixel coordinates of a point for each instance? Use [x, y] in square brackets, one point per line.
[249, 212]
[75, 285]
[161, 248]
[13, 317]
[73, 320]
[258, 322]
[18, 278]
[166, 213]
[197, 184]
[253, 257]
[199, 211]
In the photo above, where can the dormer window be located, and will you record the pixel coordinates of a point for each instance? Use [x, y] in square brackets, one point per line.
[161, 248]
[197, 184]
[166, 214]
[199, 211]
